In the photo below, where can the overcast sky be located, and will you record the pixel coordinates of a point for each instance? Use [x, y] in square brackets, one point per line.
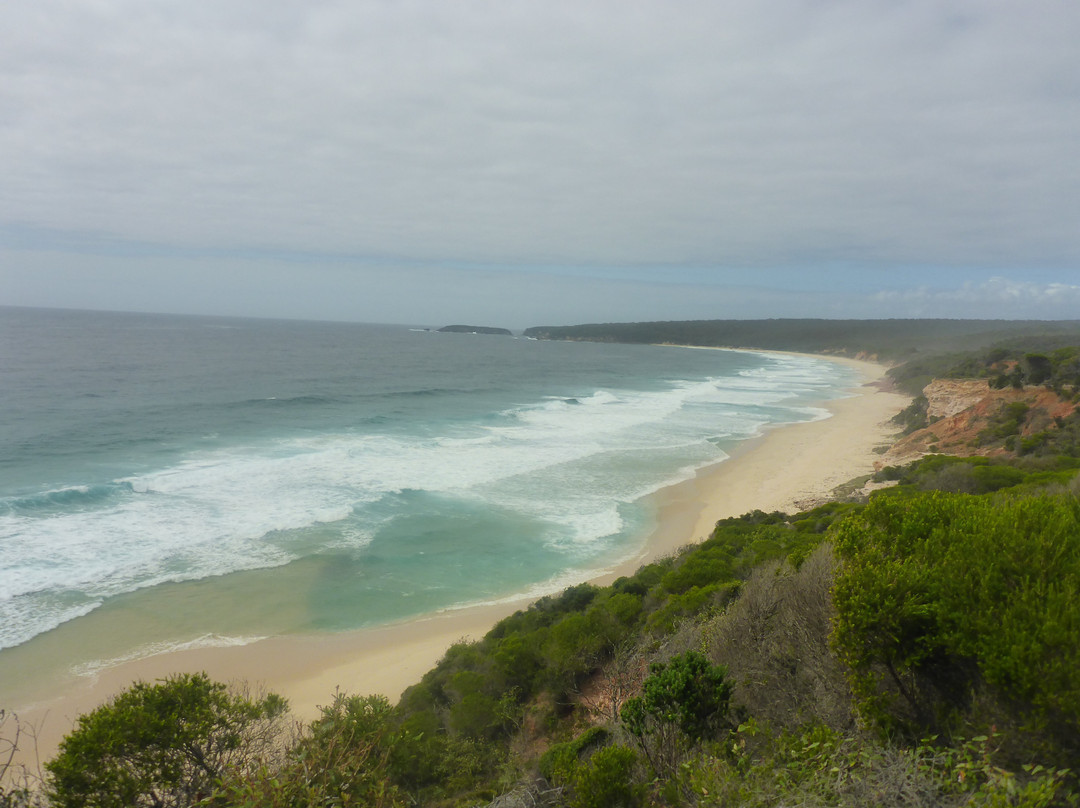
[556, 161]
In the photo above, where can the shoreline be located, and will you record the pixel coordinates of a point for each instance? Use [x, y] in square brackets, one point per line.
[783, 469]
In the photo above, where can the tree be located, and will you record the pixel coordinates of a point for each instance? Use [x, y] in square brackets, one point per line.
[164, 745]
[1038, 368]
[684, 700]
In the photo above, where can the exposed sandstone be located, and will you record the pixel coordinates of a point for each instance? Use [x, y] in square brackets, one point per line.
[948, 397]
[965, 409]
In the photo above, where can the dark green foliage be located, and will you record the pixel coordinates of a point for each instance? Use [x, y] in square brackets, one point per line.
[1005, 424]
[689, 692]
[976, 475]
[1064, 440]
[682, 704]
[914, 416]
[607, 780]
[594, 774]
[709, 565]
[572, 599]
[559, 762]
[818, 767]
[1050, 360]
[360, 752]
[816, 522]
[575, 647]
[1037, 368]
[474, 714]
[888, 339]
[697, 601]
[940, 595]
[429, 764]
[163, 744]
[517, 662]
[476, 329]
[644, 579]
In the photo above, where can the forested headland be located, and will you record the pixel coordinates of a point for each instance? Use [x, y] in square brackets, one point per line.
[912, 647]
[888, 340]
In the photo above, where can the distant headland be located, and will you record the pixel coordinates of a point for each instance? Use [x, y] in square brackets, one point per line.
[476, 329]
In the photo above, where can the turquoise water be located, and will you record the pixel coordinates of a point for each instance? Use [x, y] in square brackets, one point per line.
[189, 477]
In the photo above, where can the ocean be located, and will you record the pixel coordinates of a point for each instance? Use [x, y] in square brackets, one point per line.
[168, 481]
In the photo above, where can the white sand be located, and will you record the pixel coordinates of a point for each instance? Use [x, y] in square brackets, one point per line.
[790, 468]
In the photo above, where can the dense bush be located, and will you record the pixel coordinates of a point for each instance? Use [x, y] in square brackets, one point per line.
[978, 475]
[774, 642]
[164, 745]
[559, 763]
[608, 780]
[818, 768]
[682, 702]
[941, 595]
[342, 760]
[1050, 360]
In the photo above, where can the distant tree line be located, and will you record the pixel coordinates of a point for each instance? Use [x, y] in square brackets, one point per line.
[1050, 360]
[894, 340]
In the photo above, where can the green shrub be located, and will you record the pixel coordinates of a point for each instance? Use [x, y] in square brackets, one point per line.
[913, 417]
[818, 767]
[707, 566]
[607, 780]
[690, 604]
[682, 703]
[163, 744]
[941, 593]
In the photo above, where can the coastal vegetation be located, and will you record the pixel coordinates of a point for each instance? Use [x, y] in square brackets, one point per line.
[911, 647]
[888, 340]
[476, 329]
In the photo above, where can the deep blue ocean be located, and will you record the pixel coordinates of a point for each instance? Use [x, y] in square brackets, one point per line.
[257, 477]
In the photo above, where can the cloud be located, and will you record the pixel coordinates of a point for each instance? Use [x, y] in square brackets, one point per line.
[998, 297]
[795, 133]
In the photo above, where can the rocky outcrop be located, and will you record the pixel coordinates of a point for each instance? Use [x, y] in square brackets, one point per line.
[968, 417]
[948, 397]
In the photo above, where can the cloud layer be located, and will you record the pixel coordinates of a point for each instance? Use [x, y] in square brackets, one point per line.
[685, 140]
[699, 132]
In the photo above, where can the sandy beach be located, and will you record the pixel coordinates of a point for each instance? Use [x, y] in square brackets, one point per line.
[789, 468]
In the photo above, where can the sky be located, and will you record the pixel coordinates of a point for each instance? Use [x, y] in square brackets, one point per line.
[512, 163]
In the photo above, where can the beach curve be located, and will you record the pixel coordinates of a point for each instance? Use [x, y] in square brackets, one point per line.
[789, 468]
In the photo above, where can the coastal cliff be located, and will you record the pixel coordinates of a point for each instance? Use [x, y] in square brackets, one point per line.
[968, 417]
